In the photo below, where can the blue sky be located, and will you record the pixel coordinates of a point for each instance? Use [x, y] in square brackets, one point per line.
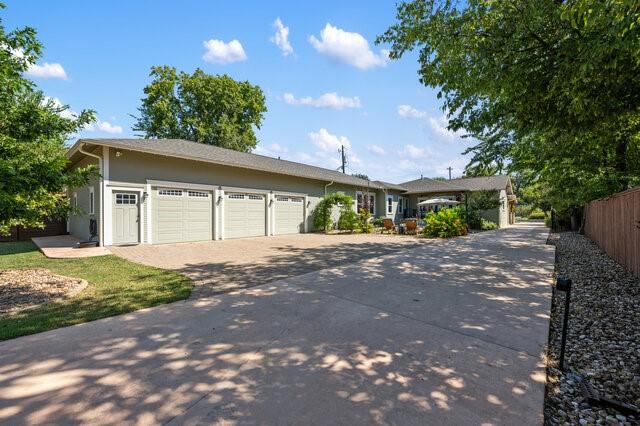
[325, 81]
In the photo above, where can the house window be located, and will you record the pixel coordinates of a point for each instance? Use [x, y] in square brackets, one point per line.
[198, 194]
[122, 199]
[366, 201]
[255, 197]
[389, 204]
[91, 201]
[296, 200]
[170, 192]
[282, 199]
[236, 196]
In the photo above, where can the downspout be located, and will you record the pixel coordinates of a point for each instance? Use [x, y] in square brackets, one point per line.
[325, 187]
[100, 204]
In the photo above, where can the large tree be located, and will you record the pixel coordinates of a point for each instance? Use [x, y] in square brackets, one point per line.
[33, 132]
[212, 109]
[549, 88]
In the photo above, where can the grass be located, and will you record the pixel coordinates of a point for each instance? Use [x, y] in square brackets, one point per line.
[116, 286]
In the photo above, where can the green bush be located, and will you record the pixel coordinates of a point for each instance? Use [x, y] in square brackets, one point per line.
[348, 220]
[364, 221]
[523, 210]
[445, 224]
[537, 214]
[322, 213]
[487, 225]
[547, 221]
[378, 222]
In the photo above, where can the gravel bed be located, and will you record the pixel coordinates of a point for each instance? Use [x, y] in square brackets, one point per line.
[22, 289]
[603, 342]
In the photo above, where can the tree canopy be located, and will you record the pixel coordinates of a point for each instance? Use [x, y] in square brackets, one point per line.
[211, 109]
[33, 132]
[548, 88]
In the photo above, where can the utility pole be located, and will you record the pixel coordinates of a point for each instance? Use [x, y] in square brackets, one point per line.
[344, 159]
[449, 168]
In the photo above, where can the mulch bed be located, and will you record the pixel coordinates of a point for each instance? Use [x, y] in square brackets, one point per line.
[603, 342]
[22, 289]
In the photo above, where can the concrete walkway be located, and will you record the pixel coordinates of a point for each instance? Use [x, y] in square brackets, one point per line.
[445, 333]
[66, 247]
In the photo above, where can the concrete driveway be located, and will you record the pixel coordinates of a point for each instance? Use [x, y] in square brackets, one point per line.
[445, 333]
[221, 266]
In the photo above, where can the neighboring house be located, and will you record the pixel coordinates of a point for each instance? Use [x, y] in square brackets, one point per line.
[160, 191]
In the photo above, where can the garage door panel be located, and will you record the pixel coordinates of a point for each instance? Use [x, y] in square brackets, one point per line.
[289, 215]
[245, 215]
[181, 217]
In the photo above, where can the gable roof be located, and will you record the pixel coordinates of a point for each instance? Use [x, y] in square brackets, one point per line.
[429, 185]
[482, 183]
[180, 148]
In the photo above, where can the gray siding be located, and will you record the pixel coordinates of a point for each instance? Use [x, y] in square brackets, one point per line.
[79, 222]
[134, 168]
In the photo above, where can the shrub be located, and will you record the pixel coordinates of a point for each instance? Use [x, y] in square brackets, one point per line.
[348, 220]
[378, 222]
[322, 213]
[364, 221]
[547, 221]
[445, 224]
[523, 210]
[537, 214]
[487, 225]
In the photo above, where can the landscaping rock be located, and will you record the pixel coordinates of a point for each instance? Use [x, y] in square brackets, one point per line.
[22, 289]
[603, 342]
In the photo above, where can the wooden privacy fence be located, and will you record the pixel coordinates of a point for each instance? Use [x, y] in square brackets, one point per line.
[614, 224]
[52, 227]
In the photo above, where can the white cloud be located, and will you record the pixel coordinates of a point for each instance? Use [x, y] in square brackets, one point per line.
[273, 150]
[328, 100]
[217, 51]
[413, 151]
[281, 38]
[47, 70]
[103, 126]
[376, 149]
[328, 142]
[439, 127]
[408, 111]
[350, 48]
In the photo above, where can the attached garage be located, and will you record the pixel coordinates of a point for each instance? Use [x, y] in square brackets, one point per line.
[245, 215]
[289, 215]
[181, 215]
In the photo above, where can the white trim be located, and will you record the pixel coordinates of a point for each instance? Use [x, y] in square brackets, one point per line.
[106, 209]
[270, 213]
[221, 192]
[149, 214]
[288, 194]
[304, 214]
[182, 185]
[386, 207]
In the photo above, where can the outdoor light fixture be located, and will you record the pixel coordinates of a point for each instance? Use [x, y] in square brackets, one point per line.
[564, 284]
[144, 196]
[219, 199]
[118, 153]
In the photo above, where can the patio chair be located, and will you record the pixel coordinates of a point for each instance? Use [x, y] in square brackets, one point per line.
[411, 226]
[388, 226]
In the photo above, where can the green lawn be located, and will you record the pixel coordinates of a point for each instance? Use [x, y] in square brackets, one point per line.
[116, 286]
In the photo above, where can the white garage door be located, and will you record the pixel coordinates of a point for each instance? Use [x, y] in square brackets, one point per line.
[181, 215]
[289, 215]
[244, 215]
